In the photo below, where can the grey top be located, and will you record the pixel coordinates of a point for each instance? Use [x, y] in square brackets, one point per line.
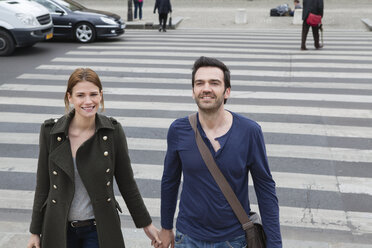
[81, 206]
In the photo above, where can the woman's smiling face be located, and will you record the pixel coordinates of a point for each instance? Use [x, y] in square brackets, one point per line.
[86, 98]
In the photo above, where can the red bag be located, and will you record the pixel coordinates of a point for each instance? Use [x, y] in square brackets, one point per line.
[314, 20]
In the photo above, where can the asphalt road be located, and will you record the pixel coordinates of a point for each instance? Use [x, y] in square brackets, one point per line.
[313, 106]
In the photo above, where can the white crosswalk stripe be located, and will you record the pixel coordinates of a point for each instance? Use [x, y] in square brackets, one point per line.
[295, 217]
[325, 55]
[188, 93]
[284, 110]
[283, 180]
[268, 127]
[264, 84]
[314, 108]
[146, 70]
[308, 152]
[330, 64]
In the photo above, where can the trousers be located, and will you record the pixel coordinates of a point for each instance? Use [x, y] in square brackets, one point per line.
[185, 241]
[163, 21]
[305, 31]
[82, 237]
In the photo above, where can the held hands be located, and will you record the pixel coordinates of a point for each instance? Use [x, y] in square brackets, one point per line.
[34, 241]
[153, 233]
[167, 239]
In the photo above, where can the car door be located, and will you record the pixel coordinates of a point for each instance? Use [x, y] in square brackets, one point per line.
[61, 18]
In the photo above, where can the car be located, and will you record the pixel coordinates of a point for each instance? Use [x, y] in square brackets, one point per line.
[22, 24]
[74, 21]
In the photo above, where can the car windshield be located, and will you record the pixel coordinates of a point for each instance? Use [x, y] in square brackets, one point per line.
[52, 7]
[70, 4]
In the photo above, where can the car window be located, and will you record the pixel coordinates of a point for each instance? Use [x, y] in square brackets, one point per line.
[49, 5]
[70, 4]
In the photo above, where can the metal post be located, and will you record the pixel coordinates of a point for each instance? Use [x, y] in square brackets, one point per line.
[130, 11]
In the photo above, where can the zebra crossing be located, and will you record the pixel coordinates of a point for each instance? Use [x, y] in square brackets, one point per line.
[314, 108]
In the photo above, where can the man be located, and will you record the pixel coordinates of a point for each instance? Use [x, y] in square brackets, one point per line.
[164, 8]
[297, 5]
[315, 7]
[205, 218]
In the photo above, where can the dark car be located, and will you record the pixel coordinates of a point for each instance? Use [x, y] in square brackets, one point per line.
[72, 20]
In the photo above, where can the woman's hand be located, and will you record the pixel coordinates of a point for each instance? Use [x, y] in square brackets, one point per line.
[34, 241]
[167, 238]
[153, 233]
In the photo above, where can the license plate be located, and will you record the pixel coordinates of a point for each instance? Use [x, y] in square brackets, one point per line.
[49, 36]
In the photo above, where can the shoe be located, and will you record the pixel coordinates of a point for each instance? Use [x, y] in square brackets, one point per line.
[319, 47]
[159, 29]
[164, 30]
[303, 48]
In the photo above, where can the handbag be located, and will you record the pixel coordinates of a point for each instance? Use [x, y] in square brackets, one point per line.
[314, 20]
[254, 233]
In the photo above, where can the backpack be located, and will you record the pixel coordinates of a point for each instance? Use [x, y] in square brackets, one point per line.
[274, 12]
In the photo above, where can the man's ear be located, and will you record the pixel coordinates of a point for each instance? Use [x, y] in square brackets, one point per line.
[227, 93]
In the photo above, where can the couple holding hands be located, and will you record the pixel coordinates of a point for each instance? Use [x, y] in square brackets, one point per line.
[83, 151]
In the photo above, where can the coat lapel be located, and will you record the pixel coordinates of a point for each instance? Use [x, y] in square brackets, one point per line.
[61, 154]
[62, 157]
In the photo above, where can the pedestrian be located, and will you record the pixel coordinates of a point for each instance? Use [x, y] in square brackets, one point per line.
[297, 5]
[205, 218]
[315, 7]
[80, 154]
[164, 8]
[138, 8]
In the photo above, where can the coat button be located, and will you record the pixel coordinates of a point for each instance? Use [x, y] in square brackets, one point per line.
[55, 186]
[54, 201]
[105, 153]
[108, 199]
[108, 170]
[59, 138]
[55, 173]
[108, 183]
[104, 137]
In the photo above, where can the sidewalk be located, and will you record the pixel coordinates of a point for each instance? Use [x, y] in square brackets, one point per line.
[220, 14]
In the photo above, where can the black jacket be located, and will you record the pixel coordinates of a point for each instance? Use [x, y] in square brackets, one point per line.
[313, 6]
[163, 6]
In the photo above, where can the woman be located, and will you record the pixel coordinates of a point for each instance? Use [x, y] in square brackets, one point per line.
[315, 7]
[164, 7]
[80, 153]
[138, 8]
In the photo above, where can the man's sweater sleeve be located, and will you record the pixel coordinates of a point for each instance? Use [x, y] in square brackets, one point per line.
[171, 180]
[265, 190]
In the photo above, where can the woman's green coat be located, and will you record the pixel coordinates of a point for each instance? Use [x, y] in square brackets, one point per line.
[98, 159]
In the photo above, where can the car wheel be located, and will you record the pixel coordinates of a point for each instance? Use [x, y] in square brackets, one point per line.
[6, 43]
[85, 32]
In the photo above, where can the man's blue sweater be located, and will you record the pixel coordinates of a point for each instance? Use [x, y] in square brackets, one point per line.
[204, 213]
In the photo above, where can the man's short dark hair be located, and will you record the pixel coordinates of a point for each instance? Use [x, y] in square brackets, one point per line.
[211, 62]
[297, 1]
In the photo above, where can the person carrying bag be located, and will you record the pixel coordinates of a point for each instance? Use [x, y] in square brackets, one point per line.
[254, 233]
[312, 17]
[214, 210]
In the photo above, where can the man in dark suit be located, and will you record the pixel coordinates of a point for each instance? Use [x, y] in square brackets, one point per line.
[164, 7]
[315, 7]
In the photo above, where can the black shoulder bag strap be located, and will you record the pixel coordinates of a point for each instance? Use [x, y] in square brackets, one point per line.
[220, 179]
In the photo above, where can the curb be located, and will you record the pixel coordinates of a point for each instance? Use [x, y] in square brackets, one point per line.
[151, 25]
[368, 23]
